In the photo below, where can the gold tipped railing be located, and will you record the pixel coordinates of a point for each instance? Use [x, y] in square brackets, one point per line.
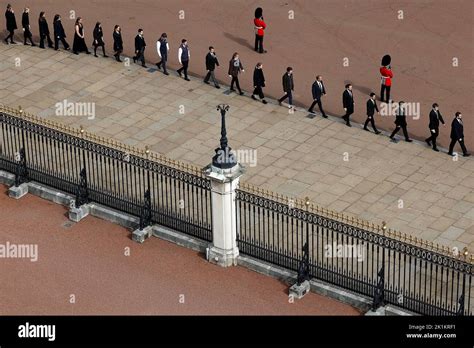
[109, 142]
[382, 229]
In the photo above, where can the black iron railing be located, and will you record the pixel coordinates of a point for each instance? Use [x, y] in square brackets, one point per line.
[138, 182]
[373, 261]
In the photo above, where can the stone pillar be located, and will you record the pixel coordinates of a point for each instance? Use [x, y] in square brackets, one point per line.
[224, 251]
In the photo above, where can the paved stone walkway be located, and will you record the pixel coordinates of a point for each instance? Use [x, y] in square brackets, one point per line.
[412, 188]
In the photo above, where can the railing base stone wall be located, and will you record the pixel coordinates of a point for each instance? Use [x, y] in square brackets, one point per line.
[77, 214]
[140, 236]
[299, 290]
[223, 258]
[18, 191]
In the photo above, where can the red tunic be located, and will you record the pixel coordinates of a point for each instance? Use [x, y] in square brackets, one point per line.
[386, 76]
[259, 23]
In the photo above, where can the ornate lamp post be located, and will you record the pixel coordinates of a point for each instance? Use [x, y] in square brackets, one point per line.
[223, 159]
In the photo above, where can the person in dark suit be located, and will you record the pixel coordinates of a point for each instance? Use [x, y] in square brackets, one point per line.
[435, 119]
[118, 42]
[318, 90]
[163, 47]
[348, 104]
[211, 63]
[288, 87]
[44, 30]
[235, 67]
[258, 83]
[457, 135]
[98, 35]
[400, 123]
[140, 45]
[11, 24]
[184, 54]
[59, 34]
[25, 23]
[371, 109]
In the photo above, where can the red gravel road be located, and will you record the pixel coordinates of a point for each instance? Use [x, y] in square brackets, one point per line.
[87, 259]
[422, 45]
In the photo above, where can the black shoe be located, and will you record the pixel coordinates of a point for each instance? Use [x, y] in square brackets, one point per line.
[232, 90]
[166, 73]
[393, 140]
[264, 101]
[207, 82]
[450, 153]
[345, 118]
[310, 111]
[377, 132]
[87, 52]
[325, 116]
[348, 124]
[106, 56]
[279, 103]
[6, 41]
[179, 73]
[14, 43]
[366, 129]
[134, 59]
[143, 65]
[408, 140]
[217, 86]
[253, 97]
[158, 65]
[72, 52]
[241, 93]
[95, 55]
[467, 154]
[26, 44]
[187, 79]
[33, 45]
[435, 149]
[428, 142]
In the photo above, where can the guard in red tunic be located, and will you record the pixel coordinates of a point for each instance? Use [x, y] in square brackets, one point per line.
[260, 27]
[386, 78]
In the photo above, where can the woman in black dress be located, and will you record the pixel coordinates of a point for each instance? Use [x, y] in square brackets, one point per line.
[118, 43]
[98, 39]
[44, 31]
[79, 44]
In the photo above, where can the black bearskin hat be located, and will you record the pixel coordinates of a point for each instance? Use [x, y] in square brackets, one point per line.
[258, 12]
[386, 60]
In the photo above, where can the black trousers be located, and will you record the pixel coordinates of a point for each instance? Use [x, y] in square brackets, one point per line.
[348, 114]
[387, 90]
[141, 56]
[397, 128]
[210, 75]
[184, 68]
[453, 142]
[320, 104]
[28, 36]
[372, 122]
[64, 42]
[117, 55]
[10, 35]
[235, 79]
[259, 91]
[258, 43]
[433, 137]
[46, 37]
[162, 63]
[103, 49]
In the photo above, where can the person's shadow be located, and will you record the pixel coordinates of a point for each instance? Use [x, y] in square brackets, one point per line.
[239, 40]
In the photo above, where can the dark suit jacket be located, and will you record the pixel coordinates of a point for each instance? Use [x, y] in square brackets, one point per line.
[288, 84]
[43, 27]
[317, 92]
[401, 119]
[211, 62]
[59, 30]
[258, 78]
[11, 21]
[118, 43]
[371, 107]
[457, 130]
[25, 20]
[435, 118]
[139, 43]
[347, 100]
